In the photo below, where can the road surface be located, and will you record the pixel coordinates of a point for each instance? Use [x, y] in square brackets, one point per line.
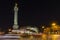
[43, 37]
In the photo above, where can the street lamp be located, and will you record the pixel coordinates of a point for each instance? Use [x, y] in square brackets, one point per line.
[53, 24]
[55, 27]
[43, 27]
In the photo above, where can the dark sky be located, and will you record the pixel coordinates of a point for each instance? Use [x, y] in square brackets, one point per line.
[31, 12]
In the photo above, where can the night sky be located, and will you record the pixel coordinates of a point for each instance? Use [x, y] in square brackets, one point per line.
[31, 12]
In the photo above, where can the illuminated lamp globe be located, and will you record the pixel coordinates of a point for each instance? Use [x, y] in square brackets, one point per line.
[53, 24]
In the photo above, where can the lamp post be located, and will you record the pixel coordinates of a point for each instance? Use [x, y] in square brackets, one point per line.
[54, 27]
[43, 28]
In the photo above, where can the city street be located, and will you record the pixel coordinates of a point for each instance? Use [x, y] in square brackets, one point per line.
[9, 39]
[43, 37]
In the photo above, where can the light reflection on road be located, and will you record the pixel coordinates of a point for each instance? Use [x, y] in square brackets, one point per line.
[43, 37]
[55, 37]
[51, 37]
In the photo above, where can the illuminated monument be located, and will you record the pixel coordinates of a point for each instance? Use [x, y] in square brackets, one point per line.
[15, 26]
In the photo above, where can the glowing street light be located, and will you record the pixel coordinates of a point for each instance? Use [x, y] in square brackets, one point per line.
[55, 27]
[53, 24]
[43, 26]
